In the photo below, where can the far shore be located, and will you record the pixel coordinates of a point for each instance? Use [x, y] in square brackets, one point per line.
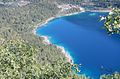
[46, 40]
[107, 10]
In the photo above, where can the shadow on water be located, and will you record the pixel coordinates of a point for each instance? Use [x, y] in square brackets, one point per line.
[102, 54]
[91, 23]
[85, 20]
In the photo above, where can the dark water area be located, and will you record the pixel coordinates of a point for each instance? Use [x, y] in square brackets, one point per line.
[86, 40]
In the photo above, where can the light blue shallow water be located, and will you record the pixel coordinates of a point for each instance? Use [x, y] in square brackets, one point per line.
[87, 42]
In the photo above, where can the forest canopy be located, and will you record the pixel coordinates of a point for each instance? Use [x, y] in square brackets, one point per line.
[22, 53]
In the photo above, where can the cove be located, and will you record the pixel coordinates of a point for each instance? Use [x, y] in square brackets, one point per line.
[86, 40]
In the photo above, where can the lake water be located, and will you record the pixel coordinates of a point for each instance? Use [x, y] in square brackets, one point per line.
[87, 42]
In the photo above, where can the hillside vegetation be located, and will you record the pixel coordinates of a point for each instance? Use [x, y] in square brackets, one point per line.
[112, 22]
[23, 55]
[20, 60]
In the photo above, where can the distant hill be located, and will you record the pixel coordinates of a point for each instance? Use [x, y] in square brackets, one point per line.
[97, 3]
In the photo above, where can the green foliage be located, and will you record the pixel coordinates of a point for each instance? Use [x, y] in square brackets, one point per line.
[115, 75]
[31, 59]
[18, 60]
[112, 22]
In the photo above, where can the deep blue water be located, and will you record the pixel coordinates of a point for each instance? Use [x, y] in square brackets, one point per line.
[87, 42]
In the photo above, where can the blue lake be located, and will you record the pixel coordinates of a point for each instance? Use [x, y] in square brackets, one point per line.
[86, 40]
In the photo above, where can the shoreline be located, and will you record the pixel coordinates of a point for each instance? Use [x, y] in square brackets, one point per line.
[109, 10]
[66, 53]
[46, 38]
[46, 41]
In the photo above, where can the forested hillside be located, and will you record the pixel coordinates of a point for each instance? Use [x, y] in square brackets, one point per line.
[22, 53]
[18, 59]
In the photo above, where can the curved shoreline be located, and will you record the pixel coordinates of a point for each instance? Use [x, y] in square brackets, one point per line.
[48, 42]
[46, 38]
[65, 52]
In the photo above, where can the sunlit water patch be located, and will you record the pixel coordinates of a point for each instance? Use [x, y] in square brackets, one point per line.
[86, 40]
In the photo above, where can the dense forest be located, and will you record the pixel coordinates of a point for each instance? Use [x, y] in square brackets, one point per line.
[23, 55]
[95, 3]
[112, 21]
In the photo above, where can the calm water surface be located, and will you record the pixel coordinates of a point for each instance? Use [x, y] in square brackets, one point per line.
[87, 42]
